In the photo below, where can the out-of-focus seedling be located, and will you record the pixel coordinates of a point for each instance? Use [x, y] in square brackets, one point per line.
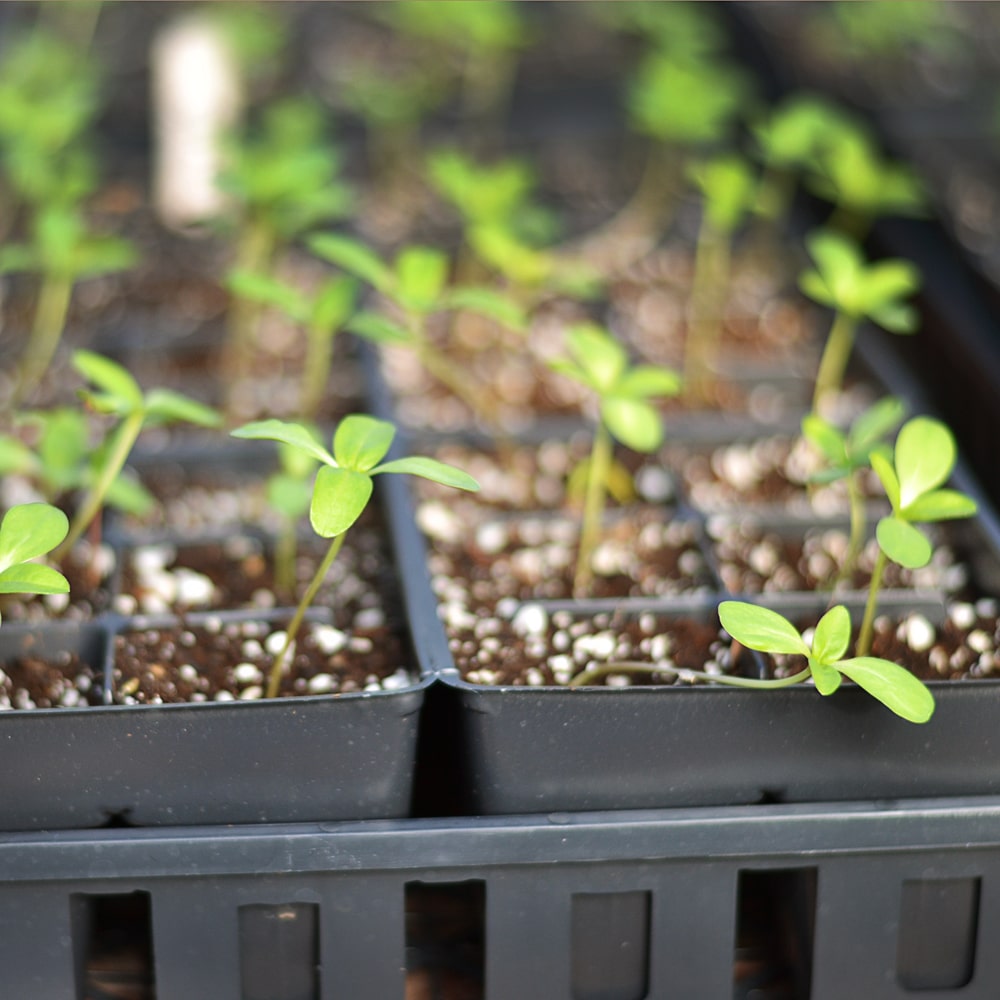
[118, 395]
[596, 360]
[321, 315]
[28, 531]
[856, 290]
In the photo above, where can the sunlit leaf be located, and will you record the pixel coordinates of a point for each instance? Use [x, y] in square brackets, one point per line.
[339, 499]
[892, 685]
[761, 628]
[430, 468]
[361, 442]
[903, 543]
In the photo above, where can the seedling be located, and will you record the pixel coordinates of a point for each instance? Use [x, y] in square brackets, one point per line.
[856, 291]
[727, 187]
[28, 531]
[322, 315]
[62, 251]
[788, 142]
[922, 461]
[341, 491]
[283, 180]
[623, 392]
[416, 283]
[680, 105]
[504, 228]
[765, 630]
[846, 455]
[861, 184]
[119, 396]
[48, 100]
[64, 461]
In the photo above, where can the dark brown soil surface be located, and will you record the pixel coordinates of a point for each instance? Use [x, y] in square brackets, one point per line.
[65, 681]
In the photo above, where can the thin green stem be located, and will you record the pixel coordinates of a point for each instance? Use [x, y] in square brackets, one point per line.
[871, 606]
[278, 669]
[124, 439]
[285, 552]
[836, 354]
[598, 469]
[316, 370]
[46, 331]
[708, 301]
[858, 524]
[636, 667]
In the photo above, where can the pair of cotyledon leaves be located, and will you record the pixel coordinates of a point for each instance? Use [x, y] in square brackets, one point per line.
[343, 484]
[599, 362]
[26, 532]
[765, 630]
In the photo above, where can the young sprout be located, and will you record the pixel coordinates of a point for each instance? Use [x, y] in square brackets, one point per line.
[789, 142]
[28, 531]
[283, 180]
[65, 462]
[850, 173]
[341, 491]
[762, 629]
[727, 187]
[921, 463]
[623, 392]
[62, 251]
[322, 315]
[504, 228]
[680, 104]
[856, 291]
[416, 283]
[119, 395]
[846, 455]
[48, 100]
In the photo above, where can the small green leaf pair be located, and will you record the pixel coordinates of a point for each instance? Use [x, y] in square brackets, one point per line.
[922, 461]
[769, 632]
[343, 484]
[26, 532]
[600, 363]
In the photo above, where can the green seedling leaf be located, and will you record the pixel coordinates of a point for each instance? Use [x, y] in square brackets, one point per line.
[872, 425]
[361, 442]
[633, 422]
[761, 628]
[887, 476]
[487, 303]
[892, 685]
[646, 381]
[355, 258]
[271, 292]
[827, 439]
[339, 499]
[129, 495]
[164, 406]
[925, 456]
[832, 635]
[903, 543]
[117, 384]
[599, 356]
[334, 303]
[896, 317]
[378, 329]
[30, 530]
[941, 505]
[826, 677]
[289, 494]
[32, 578]
[421, 275]
[430, 468]
[292, 434]
[728, 185]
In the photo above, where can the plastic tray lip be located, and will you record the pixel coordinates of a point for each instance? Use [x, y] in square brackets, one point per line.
[737, 834]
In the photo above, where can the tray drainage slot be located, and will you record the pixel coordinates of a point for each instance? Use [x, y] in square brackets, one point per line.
[279, 951]
[610, 945]
[775, 921]
[446, 938]
[938, 921]
[113, 945]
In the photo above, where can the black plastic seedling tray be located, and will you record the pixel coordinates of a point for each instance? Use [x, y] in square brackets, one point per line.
[856, 900]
